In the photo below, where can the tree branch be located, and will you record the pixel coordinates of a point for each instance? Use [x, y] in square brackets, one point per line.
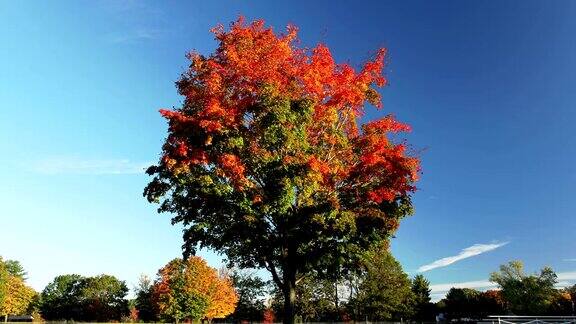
[270, 267]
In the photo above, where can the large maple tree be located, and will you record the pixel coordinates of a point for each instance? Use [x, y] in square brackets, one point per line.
[266, 161]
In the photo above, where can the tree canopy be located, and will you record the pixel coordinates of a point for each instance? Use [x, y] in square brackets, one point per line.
[190, 289]
[266, 162]
[384, 291]
[525, 294]
[73, 297]
[144, 303]
[16, 298]
[251, 291]
[423, 309]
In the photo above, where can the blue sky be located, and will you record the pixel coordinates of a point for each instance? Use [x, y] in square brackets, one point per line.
[488, 87]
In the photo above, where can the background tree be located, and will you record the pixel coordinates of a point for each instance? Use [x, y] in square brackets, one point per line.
[74, 297]
[462, 303]
[61, 298]
[422, 308]
[192, 290]
[561, 304]
[15, 269]
[572, 291]
[491, 302]
[174, 301]
[16, 298]
[525, 294]
[3, 284]
[264, 162]
[314, 300]
[103, 298]
[251, 291]
[384, 292]
[143, 301]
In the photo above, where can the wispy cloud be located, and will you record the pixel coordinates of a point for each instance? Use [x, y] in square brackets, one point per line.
[566, 276]
[134, 21]
[76, 165]
[570, 260]
[468, 252]
[439, 291]
[134, 36]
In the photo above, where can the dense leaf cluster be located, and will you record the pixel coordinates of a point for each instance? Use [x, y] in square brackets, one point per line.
[100, 298]
[16, 298]
[190, 289]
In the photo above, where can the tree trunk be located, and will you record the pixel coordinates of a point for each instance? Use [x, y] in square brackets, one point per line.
[289, 297]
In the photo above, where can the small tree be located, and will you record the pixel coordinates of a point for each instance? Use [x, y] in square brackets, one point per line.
[16, 298]
[143, 302]
[192, 290]
[100, 298]
[174, 301]
[61, 298]
[265, 161]
[3, 286]
[462, 303]
[384, 292]
[251, 291]
[314, 300]
[525, 294]
[423, 309]
[103, 298]
[16, 269]
[491, 302]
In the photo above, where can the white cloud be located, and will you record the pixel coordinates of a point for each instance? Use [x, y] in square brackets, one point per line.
[134, 36]
[479, 284]
[570, 260]
[468, 252]
[567, 276]
[76, 165]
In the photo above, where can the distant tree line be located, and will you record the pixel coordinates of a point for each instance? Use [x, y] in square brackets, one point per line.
[518, 294]
[185, 290]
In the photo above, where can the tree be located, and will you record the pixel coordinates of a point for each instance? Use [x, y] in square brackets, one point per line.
[15, 269]
[384, 292]
[561, 304]
[60, 298]
[191, 289]
[3, 284]
[491, 302]
[315, 300]
[174, 301]
[265, 163]
[423, 309]
[143, 302]
[572, 292]
[251, 291]
[462, 303]
[525, 294]
[74, 297]
[16, 297]
[104, 299]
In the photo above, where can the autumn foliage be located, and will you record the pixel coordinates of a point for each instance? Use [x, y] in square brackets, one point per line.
[266, 160]
[191, 289]
[16, 297]
[225, 94]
